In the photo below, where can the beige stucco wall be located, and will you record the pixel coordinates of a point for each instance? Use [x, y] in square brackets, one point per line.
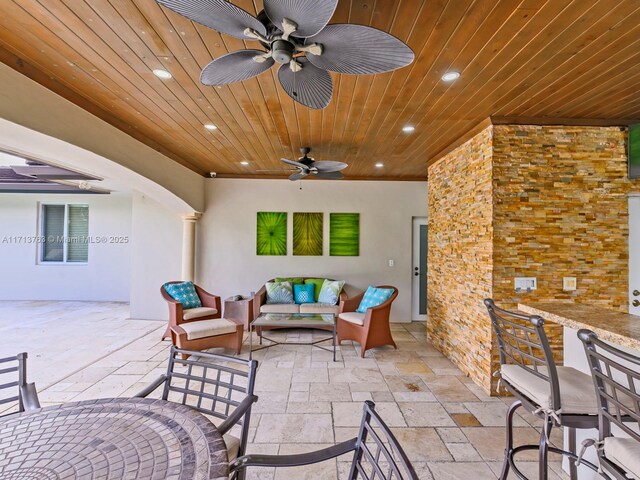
[228, 263]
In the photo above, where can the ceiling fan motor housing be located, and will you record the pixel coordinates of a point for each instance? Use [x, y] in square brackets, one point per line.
[282, 51]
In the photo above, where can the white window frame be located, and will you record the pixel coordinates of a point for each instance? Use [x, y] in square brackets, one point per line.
[65, 235]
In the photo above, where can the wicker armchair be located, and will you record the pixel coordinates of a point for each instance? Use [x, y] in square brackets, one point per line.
[369, 329]
[177, 314]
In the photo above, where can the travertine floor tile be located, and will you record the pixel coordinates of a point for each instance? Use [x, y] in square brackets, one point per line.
[306, 401]
[426, 415]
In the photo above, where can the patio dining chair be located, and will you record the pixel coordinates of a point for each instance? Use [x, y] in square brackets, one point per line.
[216, 385]
[376, 453]
[14, 386]
[560, 396]
[616, 375]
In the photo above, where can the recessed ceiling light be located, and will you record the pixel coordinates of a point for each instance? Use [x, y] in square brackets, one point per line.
[379, 165]
[450, 76]
[210, 126]
[408, 129]
[163, 74]
[244, 162]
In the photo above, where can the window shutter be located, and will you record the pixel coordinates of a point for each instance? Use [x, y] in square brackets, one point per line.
[53, 232]
[78, 234]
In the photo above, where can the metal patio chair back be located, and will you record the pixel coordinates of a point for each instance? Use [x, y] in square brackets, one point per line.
[215, 385]
[522, 341]
[14, 386]
[377, 455]
[616, 375]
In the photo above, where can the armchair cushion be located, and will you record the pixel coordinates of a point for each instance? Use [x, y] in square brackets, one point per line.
[353, 317]
[279, 292]
[330, 291]
[199, 312]
[303, 293]
[185, 293]
[374, 297]
[208, 328]
[318, 286]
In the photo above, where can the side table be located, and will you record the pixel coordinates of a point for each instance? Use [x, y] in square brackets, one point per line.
[241, 310]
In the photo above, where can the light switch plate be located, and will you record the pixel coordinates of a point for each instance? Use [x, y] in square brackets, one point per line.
[392, 263]
[569, 284]
[525, 284]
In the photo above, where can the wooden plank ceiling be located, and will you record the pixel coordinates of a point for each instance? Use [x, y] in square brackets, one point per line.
[529, 58]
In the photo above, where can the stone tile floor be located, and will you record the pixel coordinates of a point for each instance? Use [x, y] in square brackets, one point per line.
[448, 426]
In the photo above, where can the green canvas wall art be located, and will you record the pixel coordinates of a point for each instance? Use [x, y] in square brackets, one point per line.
[307, 233]
[344, 234]
[271, 233]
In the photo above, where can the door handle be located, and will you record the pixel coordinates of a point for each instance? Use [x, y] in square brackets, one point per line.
[636, 293]
[636, 303]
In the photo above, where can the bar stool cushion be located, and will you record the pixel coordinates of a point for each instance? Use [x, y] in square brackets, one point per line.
[624, 452]
[199, 312]
[233, 445]
[576, 388]
[208, 328]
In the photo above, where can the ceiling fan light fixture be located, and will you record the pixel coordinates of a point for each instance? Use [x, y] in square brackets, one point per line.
[408, 129]
[379, 165]
[210, 126]
[450, 76]
[244, 162]
[163, 74]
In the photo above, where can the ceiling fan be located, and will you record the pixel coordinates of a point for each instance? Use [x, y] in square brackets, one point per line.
[295, 35]
[306, 165]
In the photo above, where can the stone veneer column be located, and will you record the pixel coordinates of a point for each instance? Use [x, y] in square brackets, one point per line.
[189, 245]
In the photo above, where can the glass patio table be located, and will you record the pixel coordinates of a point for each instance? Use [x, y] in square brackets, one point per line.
[324, 321]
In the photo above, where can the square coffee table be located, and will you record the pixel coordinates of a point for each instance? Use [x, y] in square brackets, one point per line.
[322, 321]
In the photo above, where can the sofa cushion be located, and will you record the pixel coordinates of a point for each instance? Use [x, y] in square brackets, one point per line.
[330, 291]
[280, 308]
[319, 308]
[303, 293]
[279, 292]
[208, 328]
[199, 312]
[374, 297]
[185, 293]
[318, 286]
[291, 280]
[577, 394]
[624, 452]
[353, 317]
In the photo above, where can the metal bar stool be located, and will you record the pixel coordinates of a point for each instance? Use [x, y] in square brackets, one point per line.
[616, 375]
[560, 396]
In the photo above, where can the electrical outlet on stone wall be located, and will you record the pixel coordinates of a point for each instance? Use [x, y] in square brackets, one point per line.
[569, 284]
[525, 284]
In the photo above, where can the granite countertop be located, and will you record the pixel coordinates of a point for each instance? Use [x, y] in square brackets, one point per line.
[614, 327]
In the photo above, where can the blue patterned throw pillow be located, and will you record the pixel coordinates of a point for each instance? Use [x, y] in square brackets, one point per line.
[330, 292]
[185, 293]
[374, 297]
[279, 292]
[304, 293]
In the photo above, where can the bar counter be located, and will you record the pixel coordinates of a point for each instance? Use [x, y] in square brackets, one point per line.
[617, 328]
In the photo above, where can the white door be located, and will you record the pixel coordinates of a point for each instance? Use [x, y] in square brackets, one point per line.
[634, 254]
[419, 273]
